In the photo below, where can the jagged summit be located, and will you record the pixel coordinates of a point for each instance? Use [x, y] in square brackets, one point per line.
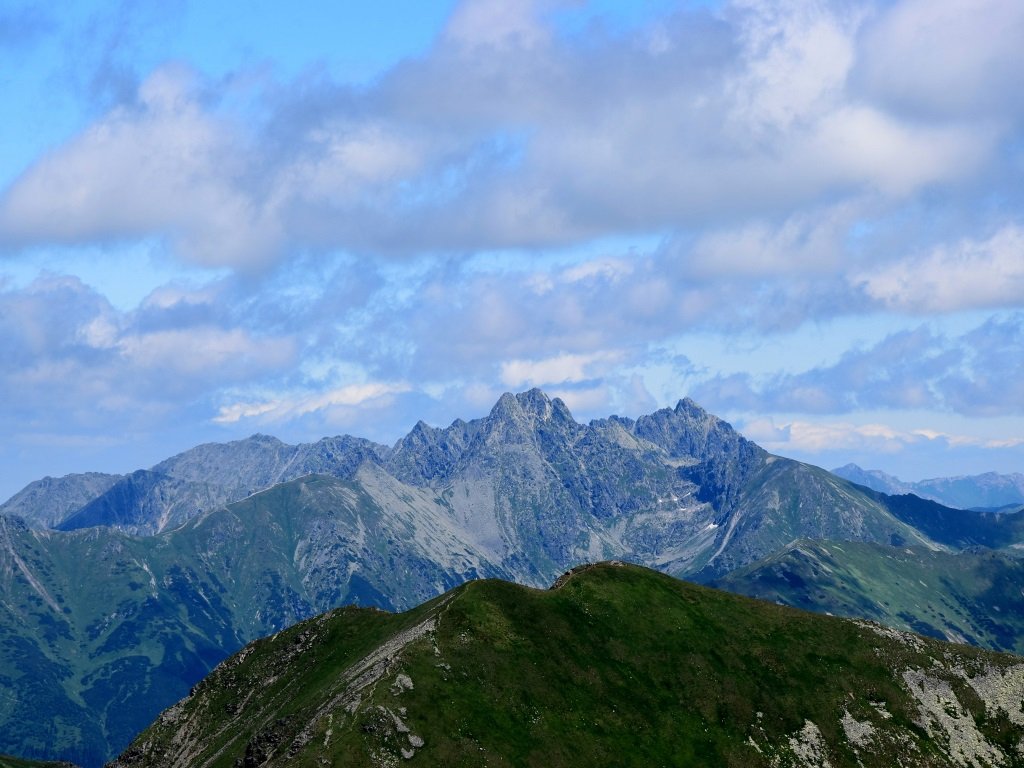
[261, 437]
[533, 405]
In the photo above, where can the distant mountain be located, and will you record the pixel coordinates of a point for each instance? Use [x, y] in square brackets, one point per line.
[48, 502]
[205, 477]
[615, 666]
[955, 527]
[106, 628]
[986, 491]
[972, 596]
[532, 483]
[145, 502]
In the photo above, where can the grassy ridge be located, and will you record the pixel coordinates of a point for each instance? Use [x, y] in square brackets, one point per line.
[619, 666]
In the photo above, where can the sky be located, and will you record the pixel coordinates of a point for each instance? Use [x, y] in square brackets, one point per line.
[320, 218]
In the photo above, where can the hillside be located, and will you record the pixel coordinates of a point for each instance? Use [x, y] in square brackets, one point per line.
[101, 630]
[968, 597]
[106, 628]
[6, 761]
[616, 665]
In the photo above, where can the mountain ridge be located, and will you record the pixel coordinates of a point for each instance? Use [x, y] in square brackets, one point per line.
[614, 664]
[523, 494]
[988, 490]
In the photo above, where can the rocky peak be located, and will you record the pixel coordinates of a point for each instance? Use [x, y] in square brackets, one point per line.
[421, 435]
[261, 439]
[530, 408]
[427, 454]
[688, 431]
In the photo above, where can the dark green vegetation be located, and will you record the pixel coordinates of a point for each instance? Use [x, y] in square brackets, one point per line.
[616, 666]
[6, 761]
[100, 630]
[958, 528]
[970, 597]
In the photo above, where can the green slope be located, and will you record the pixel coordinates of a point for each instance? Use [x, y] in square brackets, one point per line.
[100, 630]
[972, 596]
[956, 527]
[617, 666]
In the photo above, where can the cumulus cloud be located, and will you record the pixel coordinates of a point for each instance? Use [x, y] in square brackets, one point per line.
[945, 57]
[561, 369]
[968, 274]
[975, 374]
[71, 359]
[506, 133]
[822, 437]
[164, 167]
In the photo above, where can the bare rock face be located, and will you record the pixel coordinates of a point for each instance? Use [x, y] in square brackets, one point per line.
[48, 502]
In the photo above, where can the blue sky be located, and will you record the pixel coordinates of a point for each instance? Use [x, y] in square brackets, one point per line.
[224, 218]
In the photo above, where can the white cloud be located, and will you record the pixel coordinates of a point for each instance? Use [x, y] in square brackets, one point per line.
[198, 351]
[343, 160]
[967, 275]
[824, 437]
[497, 24]
[166, 167]
[606, 268]
[807, 242]
[979, 372]
[954, 58]
[596, 399]
[290, 407]
[864, 145]
[509, 134]
[797, 57]
[561, 369]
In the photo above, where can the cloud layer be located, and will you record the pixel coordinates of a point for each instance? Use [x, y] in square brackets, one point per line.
[544, 197]
[509, 134]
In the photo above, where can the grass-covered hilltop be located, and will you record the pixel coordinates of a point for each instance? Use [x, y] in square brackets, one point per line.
[616, 665]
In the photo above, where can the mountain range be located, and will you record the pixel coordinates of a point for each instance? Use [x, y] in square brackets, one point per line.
[615, 665]
[989, 490]
[120, 593]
